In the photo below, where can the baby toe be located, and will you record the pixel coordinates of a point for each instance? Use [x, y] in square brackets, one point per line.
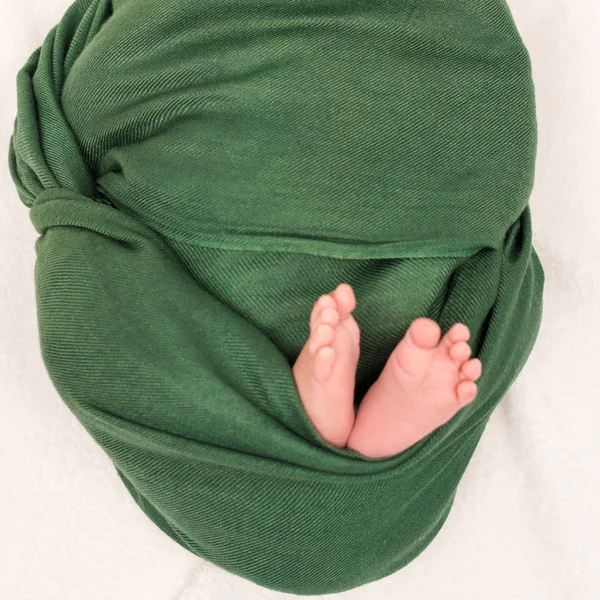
[322, 336]
[424, 333]
[345, 298]
[329, 316]
[466, 392]
[324, 301]
[324, 361]
[459, 332]
[472, 369]
[460, 351]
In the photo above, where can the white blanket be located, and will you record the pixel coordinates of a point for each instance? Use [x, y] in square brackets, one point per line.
[526, 520]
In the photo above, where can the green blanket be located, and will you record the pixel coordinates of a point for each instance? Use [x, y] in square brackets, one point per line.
[199, 173]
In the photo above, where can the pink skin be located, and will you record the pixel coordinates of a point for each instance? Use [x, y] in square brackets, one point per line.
[424, 383]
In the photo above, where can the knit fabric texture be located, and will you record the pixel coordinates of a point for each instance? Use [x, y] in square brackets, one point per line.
[199, 173]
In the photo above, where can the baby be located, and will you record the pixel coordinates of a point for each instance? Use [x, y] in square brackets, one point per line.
[423, 384]
[199, 172]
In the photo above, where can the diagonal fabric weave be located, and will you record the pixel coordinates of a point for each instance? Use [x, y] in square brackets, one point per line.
[199, 173]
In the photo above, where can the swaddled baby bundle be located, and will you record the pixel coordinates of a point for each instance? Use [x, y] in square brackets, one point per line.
[199, 173]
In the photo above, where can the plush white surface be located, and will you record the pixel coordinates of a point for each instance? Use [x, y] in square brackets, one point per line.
[526, 520]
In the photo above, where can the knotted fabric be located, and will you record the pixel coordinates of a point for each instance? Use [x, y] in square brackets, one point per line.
[199, 174]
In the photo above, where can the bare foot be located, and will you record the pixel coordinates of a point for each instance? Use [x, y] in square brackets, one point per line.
[422, 386]
[325, 370]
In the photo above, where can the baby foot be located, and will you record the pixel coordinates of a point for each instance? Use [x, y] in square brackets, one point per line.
[422, 386]
[325, 370]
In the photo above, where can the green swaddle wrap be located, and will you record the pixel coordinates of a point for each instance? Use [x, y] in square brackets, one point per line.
[199, 173]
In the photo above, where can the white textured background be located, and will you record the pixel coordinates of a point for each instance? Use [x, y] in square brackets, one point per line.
[526, 521]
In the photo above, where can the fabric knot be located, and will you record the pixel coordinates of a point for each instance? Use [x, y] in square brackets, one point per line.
[44, 152]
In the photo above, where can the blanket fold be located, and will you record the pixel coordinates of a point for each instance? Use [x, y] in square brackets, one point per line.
[199, 174]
